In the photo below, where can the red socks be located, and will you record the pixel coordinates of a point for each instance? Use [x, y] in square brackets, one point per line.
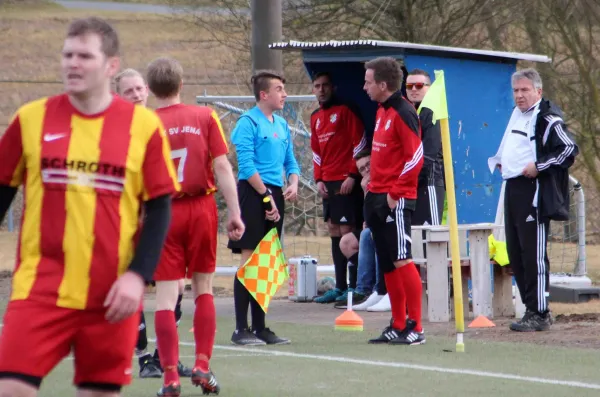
[395, 288]
[167, 341]
[205, 328]
[409, 275]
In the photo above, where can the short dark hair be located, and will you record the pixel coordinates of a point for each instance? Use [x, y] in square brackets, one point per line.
[419, 72]
[386, 70]
[362, 154]
[261, 81]
[108, 35]
[321, 74]
[164, 77]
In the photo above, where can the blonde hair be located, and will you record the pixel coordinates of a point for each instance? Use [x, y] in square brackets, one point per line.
[126, 73]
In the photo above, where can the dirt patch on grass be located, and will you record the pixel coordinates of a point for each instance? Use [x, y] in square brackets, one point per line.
[578, 318]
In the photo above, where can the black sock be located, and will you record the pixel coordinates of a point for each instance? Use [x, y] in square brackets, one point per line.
[353, 270]
[340, 264]
[258, 315]
[178, 312]
[156, 356]
[142, 342]
[241, 300]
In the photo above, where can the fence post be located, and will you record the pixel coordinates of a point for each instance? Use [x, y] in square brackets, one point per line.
[580, 266]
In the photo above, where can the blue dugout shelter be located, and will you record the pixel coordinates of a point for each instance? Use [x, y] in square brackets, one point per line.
[479, 101]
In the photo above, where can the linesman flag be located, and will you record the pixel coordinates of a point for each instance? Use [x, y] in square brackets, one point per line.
[265, 271]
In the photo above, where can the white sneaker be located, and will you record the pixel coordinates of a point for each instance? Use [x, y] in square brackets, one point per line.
[384, 305]
[371, 300]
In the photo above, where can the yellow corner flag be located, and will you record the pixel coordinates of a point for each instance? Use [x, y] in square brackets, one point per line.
[265, 271]
[435, 99]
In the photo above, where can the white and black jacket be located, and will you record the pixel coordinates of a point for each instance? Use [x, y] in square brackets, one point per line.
[555, 150]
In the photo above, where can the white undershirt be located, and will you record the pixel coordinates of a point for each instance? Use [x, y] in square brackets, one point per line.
[517, 152]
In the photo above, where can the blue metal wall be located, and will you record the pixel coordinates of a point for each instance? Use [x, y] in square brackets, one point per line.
[479, 101]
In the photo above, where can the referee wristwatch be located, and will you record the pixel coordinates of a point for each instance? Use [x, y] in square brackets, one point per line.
[267, 193]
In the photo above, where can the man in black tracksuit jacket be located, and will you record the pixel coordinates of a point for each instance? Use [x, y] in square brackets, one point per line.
[431, 191]
[534, 159]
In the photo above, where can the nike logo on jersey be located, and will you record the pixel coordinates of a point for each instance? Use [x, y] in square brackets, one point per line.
[53, 137]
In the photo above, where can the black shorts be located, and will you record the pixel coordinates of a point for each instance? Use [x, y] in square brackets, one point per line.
[253, 216]
[390, 228]
[343, 209]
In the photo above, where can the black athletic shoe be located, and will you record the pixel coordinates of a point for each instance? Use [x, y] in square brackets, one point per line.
[270, 338]
[389, 333]
[533, 321]
[246, 338]
[172, 390]
[357, 299]
[149, 368]
[184, 372]
[409, 336]
[206, 380]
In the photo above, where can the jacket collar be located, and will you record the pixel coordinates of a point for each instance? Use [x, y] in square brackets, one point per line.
[392, 100]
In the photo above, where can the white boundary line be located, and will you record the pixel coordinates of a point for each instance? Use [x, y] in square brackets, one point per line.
[485, 374]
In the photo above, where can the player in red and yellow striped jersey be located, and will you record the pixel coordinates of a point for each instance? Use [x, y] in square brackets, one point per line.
[87, 161]
[199, 151]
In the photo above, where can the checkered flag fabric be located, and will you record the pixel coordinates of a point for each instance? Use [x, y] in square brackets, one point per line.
[265, 271]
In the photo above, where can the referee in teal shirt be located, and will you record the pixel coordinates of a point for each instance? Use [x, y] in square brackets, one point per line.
[265, 150]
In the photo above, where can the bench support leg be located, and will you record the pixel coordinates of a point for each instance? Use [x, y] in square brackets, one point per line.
[481, 276]
[437, 282]
[503, 300]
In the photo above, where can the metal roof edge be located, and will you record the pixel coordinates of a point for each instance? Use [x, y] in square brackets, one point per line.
[349, 44]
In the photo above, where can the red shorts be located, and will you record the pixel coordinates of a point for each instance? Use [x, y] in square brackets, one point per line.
[37, 336]
[191, 244]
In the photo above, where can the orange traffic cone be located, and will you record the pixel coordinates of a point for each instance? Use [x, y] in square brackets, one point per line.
[481, 322]
[349, 320]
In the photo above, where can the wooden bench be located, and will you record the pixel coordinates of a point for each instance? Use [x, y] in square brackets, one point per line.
[475, 264]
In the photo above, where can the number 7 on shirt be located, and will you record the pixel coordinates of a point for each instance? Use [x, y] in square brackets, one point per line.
[180, 154]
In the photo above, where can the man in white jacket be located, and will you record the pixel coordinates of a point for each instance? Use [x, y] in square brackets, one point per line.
[534, 157]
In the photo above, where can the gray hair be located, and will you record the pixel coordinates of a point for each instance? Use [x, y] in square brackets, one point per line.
[530, 74]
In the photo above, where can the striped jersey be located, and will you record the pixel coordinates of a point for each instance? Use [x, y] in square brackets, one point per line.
[84, 179]
[196, 139]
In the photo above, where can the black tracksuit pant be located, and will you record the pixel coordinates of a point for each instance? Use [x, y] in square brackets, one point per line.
[526, 241]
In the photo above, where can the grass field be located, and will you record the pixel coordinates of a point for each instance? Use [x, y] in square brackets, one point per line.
[38, 27]
[163, 2]
[323, 362]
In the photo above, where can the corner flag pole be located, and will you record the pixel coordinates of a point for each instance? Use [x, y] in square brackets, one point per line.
[435, 99]
[454, 244]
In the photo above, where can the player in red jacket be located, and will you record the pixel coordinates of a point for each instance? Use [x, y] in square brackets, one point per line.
[198, 147]
[337, 134]
[396, 160]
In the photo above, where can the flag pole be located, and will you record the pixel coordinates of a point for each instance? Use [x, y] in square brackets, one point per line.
[454, 245]
[436, 101]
